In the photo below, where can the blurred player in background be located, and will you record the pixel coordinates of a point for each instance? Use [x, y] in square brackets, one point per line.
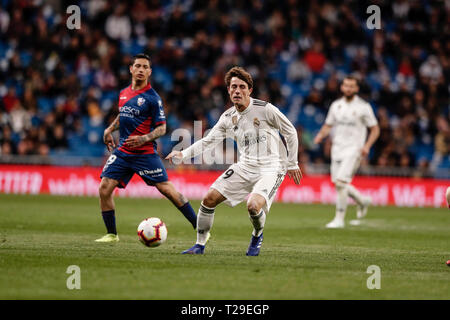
[349, 115]
[447, 196]
[141, 121]
[264, 161]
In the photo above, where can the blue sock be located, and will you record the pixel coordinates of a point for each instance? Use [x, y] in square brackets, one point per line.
[189, 213]
[110, 221]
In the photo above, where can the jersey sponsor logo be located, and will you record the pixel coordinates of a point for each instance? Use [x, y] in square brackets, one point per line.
[130, 112]
[248, 141]
[140, 101]
[346, 122]
[123, 98]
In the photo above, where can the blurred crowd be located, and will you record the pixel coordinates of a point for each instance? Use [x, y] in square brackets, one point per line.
[59, 87]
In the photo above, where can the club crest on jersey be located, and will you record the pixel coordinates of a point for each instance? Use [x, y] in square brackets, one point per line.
[140, 101]
[234, 120]
[256, 122]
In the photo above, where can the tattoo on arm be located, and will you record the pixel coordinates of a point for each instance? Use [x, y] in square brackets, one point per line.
[115, 124]
[156, 133]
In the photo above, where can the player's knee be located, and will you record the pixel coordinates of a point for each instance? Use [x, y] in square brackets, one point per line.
[104, 190]
[253, 208]
[209, 200]
[340, 184]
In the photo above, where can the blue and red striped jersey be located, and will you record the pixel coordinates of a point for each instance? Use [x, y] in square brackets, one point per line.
[140, 112]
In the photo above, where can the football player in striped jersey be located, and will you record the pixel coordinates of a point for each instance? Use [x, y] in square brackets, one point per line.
[256, 126]
[141, 121]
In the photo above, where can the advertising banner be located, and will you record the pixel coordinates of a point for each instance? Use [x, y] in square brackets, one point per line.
[84, 181]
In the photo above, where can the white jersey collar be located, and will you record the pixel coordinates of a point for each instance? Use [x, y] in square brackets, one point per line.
[355, 99]
[246, 109]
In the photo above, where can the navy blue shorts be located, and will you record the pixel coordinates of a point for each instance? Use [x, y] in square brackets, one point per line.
[121, 166]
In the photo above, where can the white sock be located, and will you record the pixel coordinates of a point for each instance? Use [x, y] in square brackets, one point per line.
[341, 199]
[205, 219]
[340, 215]
[355, 194]
[258, 222]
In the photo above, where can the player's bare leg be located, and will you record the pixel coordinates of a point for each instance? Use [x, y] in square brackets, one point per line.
[105, 191]
[205, 219]
[341, 205]
[168, 190]
[257, 216]
[213, 198]
[107, 206]
[447, 196]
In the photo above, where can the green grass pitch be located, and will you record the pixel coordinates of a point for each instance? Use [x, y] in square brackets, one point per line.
[40, 236]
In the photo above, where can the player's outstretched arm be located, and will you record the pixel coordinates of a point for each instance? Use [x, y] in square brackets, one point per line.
[279, 121]
[214, 137]
[296, 175]
[108, 139]
[323, 133]
[175, 157]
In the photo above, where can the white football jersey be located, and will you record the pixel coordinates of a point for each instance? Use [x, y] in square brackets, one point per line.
[256, 131]
[349, 122]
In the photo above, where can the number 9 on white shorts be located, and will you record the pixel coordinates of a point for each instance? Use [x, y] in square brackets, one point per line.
[236, 183]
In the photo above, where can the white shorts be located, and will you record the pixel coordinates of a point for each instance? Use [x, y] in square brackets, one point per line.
[344, 169]
[235, 184]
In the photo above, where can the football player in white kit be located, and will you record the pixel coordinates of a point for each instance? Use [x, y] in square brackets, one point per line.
[447, 196]
[264, 160]
[350, 116]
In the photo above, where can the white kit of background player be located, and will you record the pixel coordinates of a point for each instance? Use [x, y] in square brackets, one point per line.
[349, 116]
[264, 161]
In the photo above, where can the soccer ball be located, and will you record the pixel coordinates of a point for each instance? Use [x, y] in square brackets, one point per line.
[152, 232]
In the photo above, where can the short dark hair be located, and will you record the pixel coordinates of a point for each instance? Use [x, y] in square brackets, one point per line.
[352, 77]
[240, 73]
[141, 56]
